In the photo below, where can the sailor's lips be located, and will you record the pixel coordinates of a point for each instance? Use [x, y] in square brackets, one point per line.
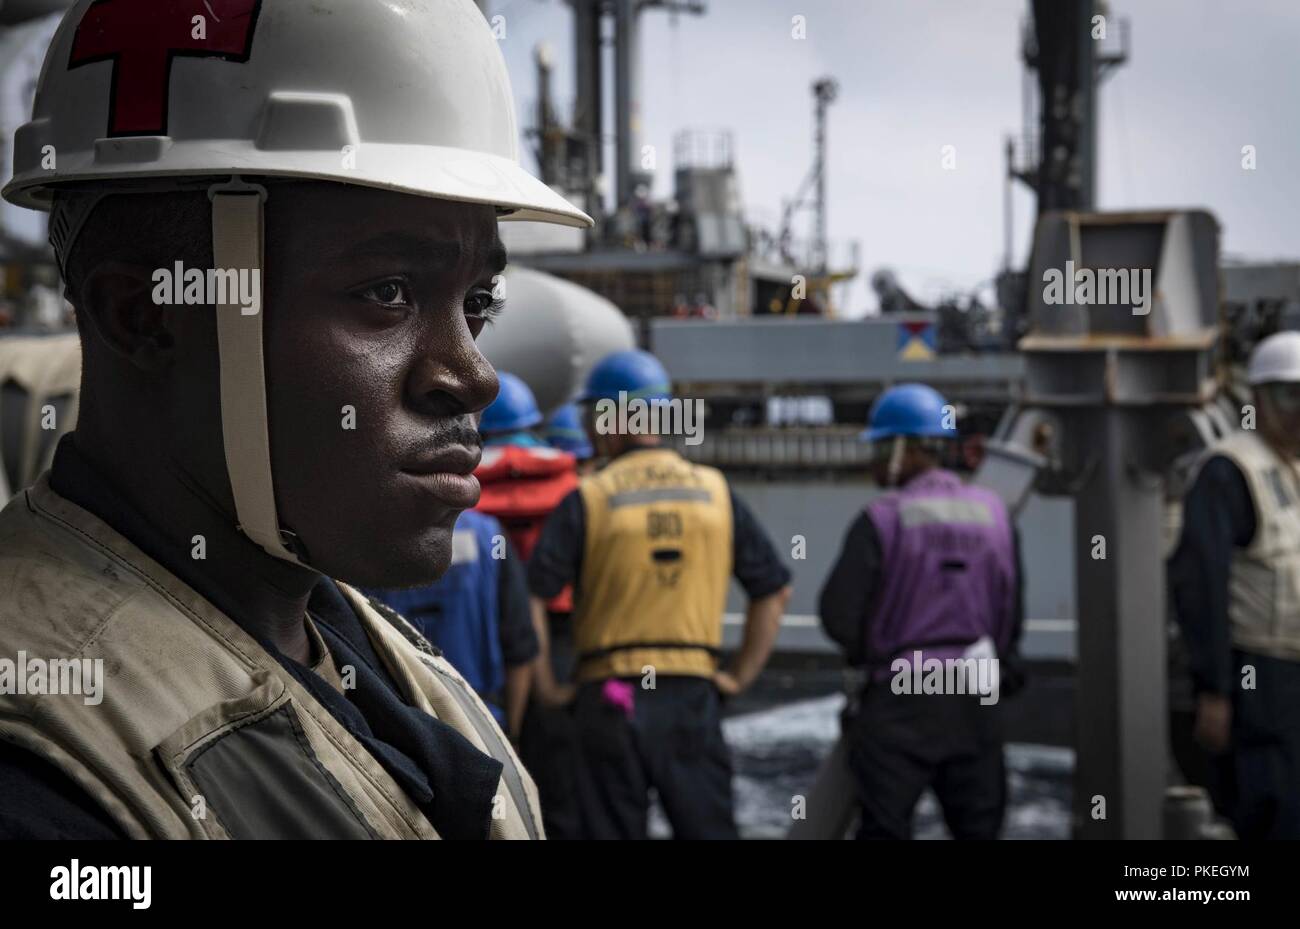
[457, 491]
[447, 475]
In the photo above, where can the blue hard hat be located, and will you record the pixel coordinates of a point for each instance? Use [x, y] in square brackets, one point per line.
[564, 431]
[638, 373]
[909, 410]
[514, 408]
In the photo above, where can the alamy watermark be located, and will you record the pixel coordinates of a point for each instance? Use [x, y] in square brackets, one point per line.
[638, 416]
[178, 286]
[1103, 287]
[965, 675]
[76, 881]
[62, 676]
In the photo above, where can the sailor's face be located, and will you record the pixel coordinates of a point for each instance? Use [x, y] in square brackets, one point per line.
[1280, 414]
[374, 301]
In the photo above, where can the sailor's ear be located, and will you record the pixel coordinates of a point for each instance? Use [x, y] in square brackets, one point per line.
[117, 300]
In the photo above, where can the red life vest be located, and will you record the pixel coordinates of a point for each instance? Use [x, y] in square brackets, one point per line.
[521, 486]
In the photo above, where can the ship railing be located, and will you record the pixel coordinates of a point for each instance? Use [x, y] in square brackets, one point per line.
[835, 447]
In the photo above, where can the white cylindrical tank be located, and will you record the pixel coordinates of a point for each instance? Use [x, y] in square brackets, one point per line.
[552, 334]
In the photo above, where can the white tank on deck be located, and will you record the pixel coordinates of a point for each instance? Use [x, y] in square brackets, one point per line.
[552, 334]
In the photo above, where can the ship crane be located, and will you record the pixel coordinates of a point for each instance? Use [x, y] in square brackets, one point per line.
[812, 194]
[825, 90]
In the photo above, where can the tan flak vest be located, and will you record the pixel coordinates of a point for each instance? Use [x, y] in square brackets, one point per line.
[1264, 584]
[200, 733]
[656, 563]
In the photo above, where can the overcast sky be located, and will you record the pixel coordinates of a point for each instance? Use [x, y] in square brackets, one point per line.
[1205, 78]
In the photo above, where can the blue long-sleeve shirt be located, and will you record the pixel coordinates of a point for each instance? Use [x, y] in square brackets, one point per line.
[1218, 518]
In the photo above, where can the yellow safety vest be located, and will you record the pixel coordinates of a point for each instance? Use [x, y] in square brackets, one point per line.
[198, 732]
[655, 567]
[1264, 582]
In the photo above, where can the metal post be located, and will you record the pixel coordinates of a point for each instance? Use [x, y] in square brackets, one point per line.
[1008, 217]
[1086, 87]
[1121, 715]
[627, 100]
[825, 92]
[588, 119]
[819, 146]
[1118, 384]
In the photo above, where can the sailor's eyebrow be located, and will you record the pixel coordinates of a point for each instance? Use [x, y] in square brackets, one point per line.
[427, 250]
[496, 259]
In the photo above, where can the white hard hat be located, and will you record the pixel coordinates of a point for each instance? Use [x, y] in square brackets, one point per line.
[1276, 358]
[404, 95]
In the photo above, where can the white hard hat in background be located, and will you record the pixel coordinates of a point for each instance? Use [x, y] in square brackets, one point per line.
[1276, 358]
[404, 95]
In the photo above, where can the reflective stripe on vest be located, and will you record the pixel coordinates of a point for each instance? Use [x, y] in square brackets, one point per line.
[1264, 581]
[928, 511]
[655, 568]
[521, 788]
[201, 733]
[496, 746]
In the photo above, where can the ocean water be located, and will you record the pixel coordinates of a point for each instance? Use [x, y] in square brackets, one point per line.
[776, 752]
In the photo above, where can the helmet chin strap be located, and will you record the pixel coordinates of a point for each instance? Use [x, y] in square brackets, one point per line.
[897, 445]
[237, 242]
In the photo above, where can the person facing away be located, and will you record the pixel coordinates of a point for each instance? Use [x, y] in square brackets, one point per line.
[928, 578]
[1235, 585]
[548, 741]
[279, 389]
[563, 430]
[649, 543]
[523, 477]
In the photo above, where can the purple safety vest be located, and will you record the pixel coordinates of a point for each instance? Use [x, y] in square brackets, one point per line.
[948, 572]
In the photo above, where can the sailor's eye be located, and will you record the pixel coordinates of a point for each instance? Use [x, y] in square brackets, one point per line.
[389, 293]
[483, 303]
